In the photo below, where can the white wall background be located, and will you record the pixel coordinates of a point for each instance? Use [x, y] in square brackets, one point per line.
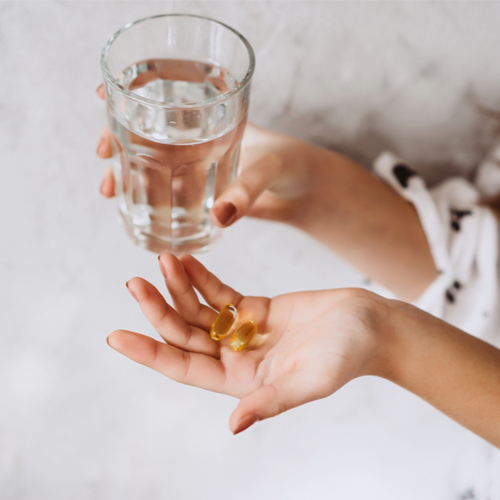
[77, 420]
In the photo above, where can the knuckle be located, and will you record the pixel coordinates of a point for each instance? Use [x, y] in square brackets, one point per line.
[186, 360]
[162, 319]
[156, 348]
[146, 294]
[284, 405]
[242, 191]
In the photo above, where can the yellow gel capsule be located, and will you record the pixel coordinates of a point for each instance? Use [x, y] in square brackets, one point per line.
[243, 336]
[223, 322]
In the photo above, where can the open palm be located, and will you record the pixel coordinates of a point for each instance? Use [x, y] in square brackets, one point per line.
[308, 344]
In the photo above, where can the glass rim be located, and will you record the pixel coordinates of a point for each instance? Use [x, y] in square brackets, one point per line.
[152, 102]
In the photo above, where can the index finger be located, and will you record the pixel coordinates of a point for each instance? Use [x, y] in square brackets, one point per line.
[241, 194]
[216, 293]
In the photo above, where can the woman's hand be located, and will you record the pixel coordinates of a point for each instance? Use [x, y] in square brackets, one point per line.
[329, 197]
[275, 172]
[308, 344]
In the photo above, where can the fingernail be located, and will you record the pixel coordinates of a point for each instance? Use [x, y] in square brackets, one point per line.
[246, 422]
[101, 187]
[225, 212]
[100, 145]
[162, 268]
[107, 341]
[131, 292]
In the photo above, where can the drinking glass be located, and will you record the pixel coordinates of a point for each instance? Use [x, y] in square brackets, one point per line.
[177, 92]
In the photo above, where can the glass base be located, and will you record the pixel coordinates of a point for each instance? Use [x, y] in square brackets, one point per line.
[200, 241]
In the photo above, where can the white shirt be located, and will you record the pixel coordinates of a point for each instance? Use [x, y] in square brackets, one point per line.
[464, 241]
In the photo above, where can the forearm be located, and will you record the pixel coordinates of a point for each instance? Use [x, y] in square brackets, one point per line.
[366, 222]
[453, 371]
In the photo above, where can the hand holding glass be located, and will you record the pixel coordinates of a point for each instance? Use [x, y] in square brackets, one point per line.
[177, 91]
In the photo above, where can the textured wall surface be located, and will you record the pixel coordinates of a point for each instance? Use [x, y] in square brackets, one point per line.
[77, 420]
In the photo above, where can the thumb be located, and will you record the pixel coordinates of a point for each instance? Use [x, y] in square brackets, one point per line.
[241, 194]
[283, 394]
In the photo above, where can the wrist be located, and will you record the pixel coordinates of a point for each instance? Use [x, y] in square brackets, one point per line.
[410, 345]
[376, 337]
[330, 201]
[390, 354]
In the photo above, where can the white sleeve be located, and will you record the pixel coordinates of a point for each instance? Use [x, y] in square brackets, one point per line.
[463, 239]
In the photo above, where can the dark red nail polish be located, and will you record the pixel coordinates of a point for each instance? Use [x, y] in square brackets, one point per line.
[246, 422]
[162, 268]
[225, 212]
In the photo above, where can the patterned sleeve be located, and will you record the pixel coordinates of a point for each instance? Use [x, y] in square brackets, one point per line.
[463, 239]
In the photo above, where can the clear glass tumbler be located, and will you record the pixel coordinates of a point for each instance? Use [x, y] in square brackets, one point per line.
[177, 92]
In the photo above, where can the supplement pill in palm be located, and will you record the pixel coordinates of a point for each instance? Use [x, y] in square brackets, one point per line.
[223, 322]
[243, 336]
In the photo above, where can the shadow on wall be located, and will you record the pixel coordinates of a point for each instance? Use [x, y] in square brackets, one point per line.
[478, 127]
